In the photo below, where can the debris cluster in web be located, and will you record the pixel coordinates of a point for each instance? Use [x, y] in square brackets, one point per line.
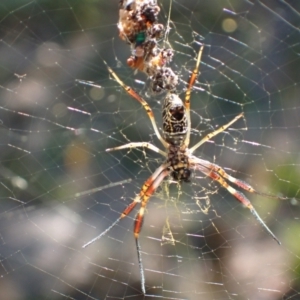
[138, 26]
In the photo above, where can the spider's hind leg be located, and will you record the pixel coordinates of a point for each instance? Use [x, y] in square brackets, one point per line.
[187, 99]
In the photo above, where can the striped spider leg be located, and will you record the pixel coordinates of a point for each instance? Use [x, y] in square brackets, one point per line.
[187, 102]
[179, 158]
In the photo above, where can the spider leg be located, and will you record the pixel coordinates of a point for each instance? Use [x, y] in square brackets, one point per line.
[137, 97]
[147, 193]
[149, 184]
[102, 233]
[240, 183]
[142, 275]
[239, 196]
[187, 102]
[140, 217]
[137, 145]
[214, 133]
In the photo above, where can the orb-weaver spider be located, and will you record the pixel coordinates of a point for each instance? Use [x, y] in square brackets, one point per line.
[179, 158]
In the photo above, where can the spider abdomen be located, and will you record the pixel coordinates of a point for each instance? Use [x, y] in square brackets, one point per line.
[174, 120]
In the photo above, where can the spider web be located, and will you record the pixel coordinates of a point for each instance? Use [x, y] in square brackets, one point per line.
[59, 187]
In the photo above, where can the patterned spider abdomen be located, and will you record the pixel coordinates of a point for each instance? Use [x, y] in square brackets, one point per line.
[175, 131]
[174, 120]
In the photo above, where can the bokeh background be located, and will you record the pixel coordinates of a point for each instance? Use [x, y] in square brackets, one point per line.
[59, 188]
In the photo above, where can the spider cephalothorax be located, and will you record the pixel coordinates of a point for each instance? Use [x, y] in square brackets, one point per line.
[179, 163]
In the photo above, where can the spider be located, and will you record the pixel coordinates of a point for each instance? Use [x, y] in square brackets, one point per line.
[179, 159]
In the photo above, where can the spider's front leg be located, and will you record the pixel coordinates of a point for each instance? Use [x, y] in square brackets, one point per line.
[213, 173]
[146, 192]
[151, 183]
[240, 183]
